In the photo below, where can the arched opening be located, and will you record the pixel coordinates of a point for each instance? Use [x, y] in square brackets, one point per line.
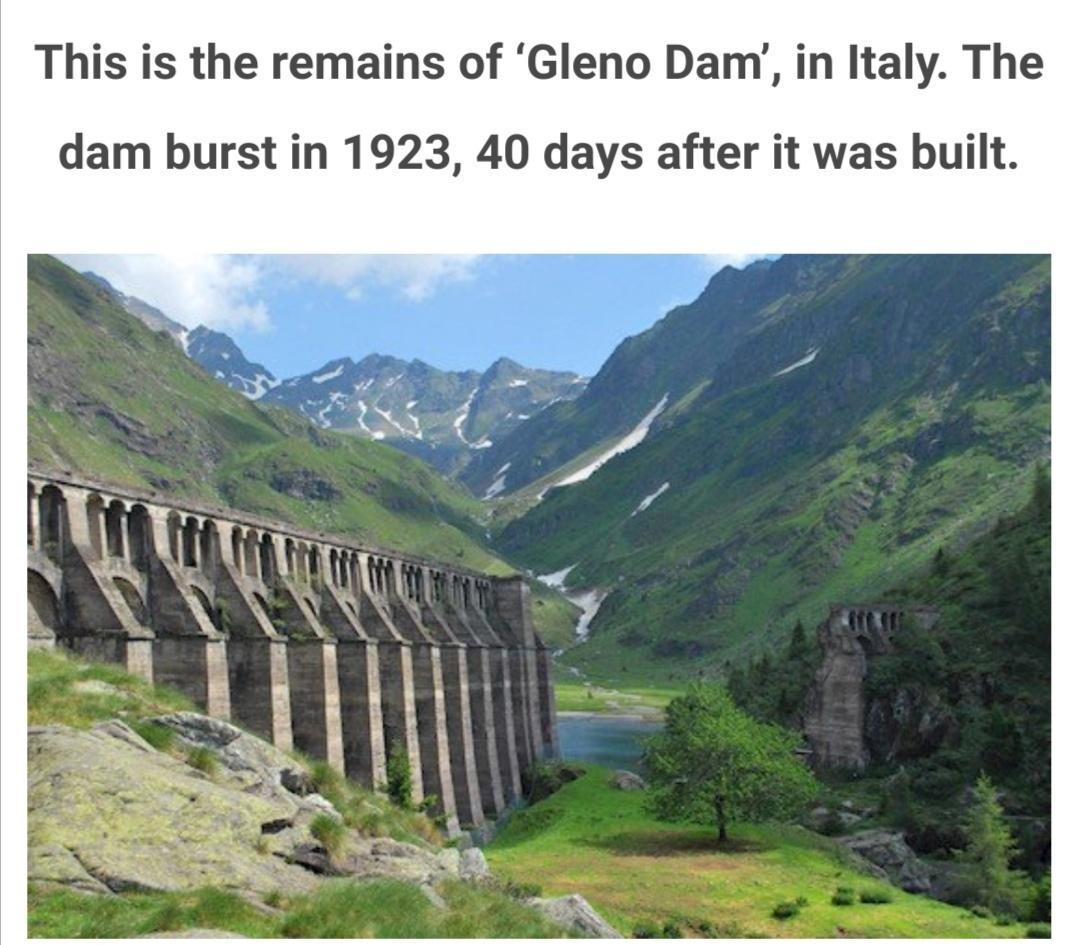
[52, 517]
[31, 516]
[140, 536]
[44, 607]
[389, 580]
[114, 529]
[290, 557]
[95, 523]
[208, 547]
[343, 570]
[466, 588]
[133, 599]
[174, 528]
[200, 595]
[238, 548]
[851, 619]
[267, 565]
[191, 543]
[313, 564]
[251, 554]
[335, 572]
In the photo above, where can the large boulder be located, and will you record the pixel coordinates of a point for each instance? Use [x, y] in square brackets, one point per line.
[574, 914]
[889, 853]
[108, 812]
[628, 781]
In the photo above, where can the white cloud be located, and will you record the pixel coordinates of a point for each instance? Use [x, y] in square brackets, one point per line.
[226, 292]
[217, 291]
[416, 277]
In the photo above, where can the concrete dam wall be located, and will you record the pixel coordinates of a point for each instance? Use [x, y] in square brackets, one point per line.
[308, 640]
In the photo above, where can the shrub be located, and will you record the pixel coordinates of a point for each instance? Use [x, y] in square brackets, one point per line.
[203, 759]
[154, 734]
[399, 776]
[844, 896]
[785, 910]
[672, 929]
[875, 896]
[1040, 904]
[331, 833]
[646, 930]
[982, 912]
[1038, 930]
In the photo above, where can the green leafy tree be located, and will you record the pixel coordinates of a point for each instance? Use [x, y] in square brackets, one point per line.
[714, 764]
[990, 848]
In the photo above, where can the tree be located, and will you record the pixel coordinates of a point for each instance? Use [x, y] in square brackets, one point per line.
[990, 848]
[714, 764]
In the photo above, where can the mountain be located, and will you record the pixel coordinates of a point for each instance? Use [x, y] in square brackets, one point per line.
[223, 360]
[648, 374]
[153, 318]
[860, 413]
[113, 399]
[443, 417]
[440, 416]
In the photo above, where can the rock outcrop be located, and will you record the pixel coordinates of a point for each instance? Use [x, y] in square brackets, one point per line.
[890, 856]
[107, 812]
[575, 914]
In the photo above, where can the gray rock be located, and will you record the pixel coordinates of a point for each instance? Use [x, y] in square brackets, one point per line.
[628, 781]
[257, 765]
[887, 850]
[433, 897]
[574, 914]
[473, 864]
[133, 818]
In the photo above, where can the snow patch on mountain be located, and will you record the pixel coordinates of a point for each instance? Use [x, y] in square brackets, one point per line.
[628, 442]
[802, 362]
[589, 600]
[650, 499]
[260, 385]
[329, 375]
[518, 382]
[498, 484]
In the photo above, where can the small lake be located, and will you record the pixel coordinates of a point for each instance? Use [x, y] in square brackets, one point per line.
[611, 741]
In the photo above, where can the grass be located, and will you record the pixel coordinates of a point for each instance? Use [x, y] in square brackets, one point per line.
[339, 909]
[593, 839]
[62, 689]
[579, 696]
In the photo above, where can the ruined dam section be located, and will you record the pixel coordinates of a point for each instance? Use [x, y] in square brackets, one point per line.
[851, 637]
[308, 640]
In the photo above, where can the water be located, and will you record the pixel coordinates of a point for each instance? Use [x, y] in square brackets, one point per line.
[611, 741]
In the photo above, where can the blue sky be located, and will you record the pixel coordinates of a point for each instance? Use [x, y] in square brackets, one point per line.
[295, 313]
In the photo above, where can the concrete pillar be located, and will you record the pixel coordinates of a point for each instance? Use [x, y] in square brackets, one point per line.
[198, 667]
[430, 696]
[315, 700]
[549, 727]
[361, 712]
[259, 687]
[464, 756]
[399, 708]
[489, 773]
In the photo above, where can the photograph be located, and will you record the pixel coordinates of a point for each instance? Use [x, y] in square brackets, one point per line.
[537, 595]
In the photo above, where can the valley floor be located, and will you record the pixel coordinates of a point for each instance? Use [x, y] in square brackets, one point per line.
[641, 874]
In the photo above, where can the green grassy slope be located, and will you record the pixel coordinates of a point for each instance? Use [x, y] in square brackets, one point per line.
[112, 399]
[642, 874]
[915, 426]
